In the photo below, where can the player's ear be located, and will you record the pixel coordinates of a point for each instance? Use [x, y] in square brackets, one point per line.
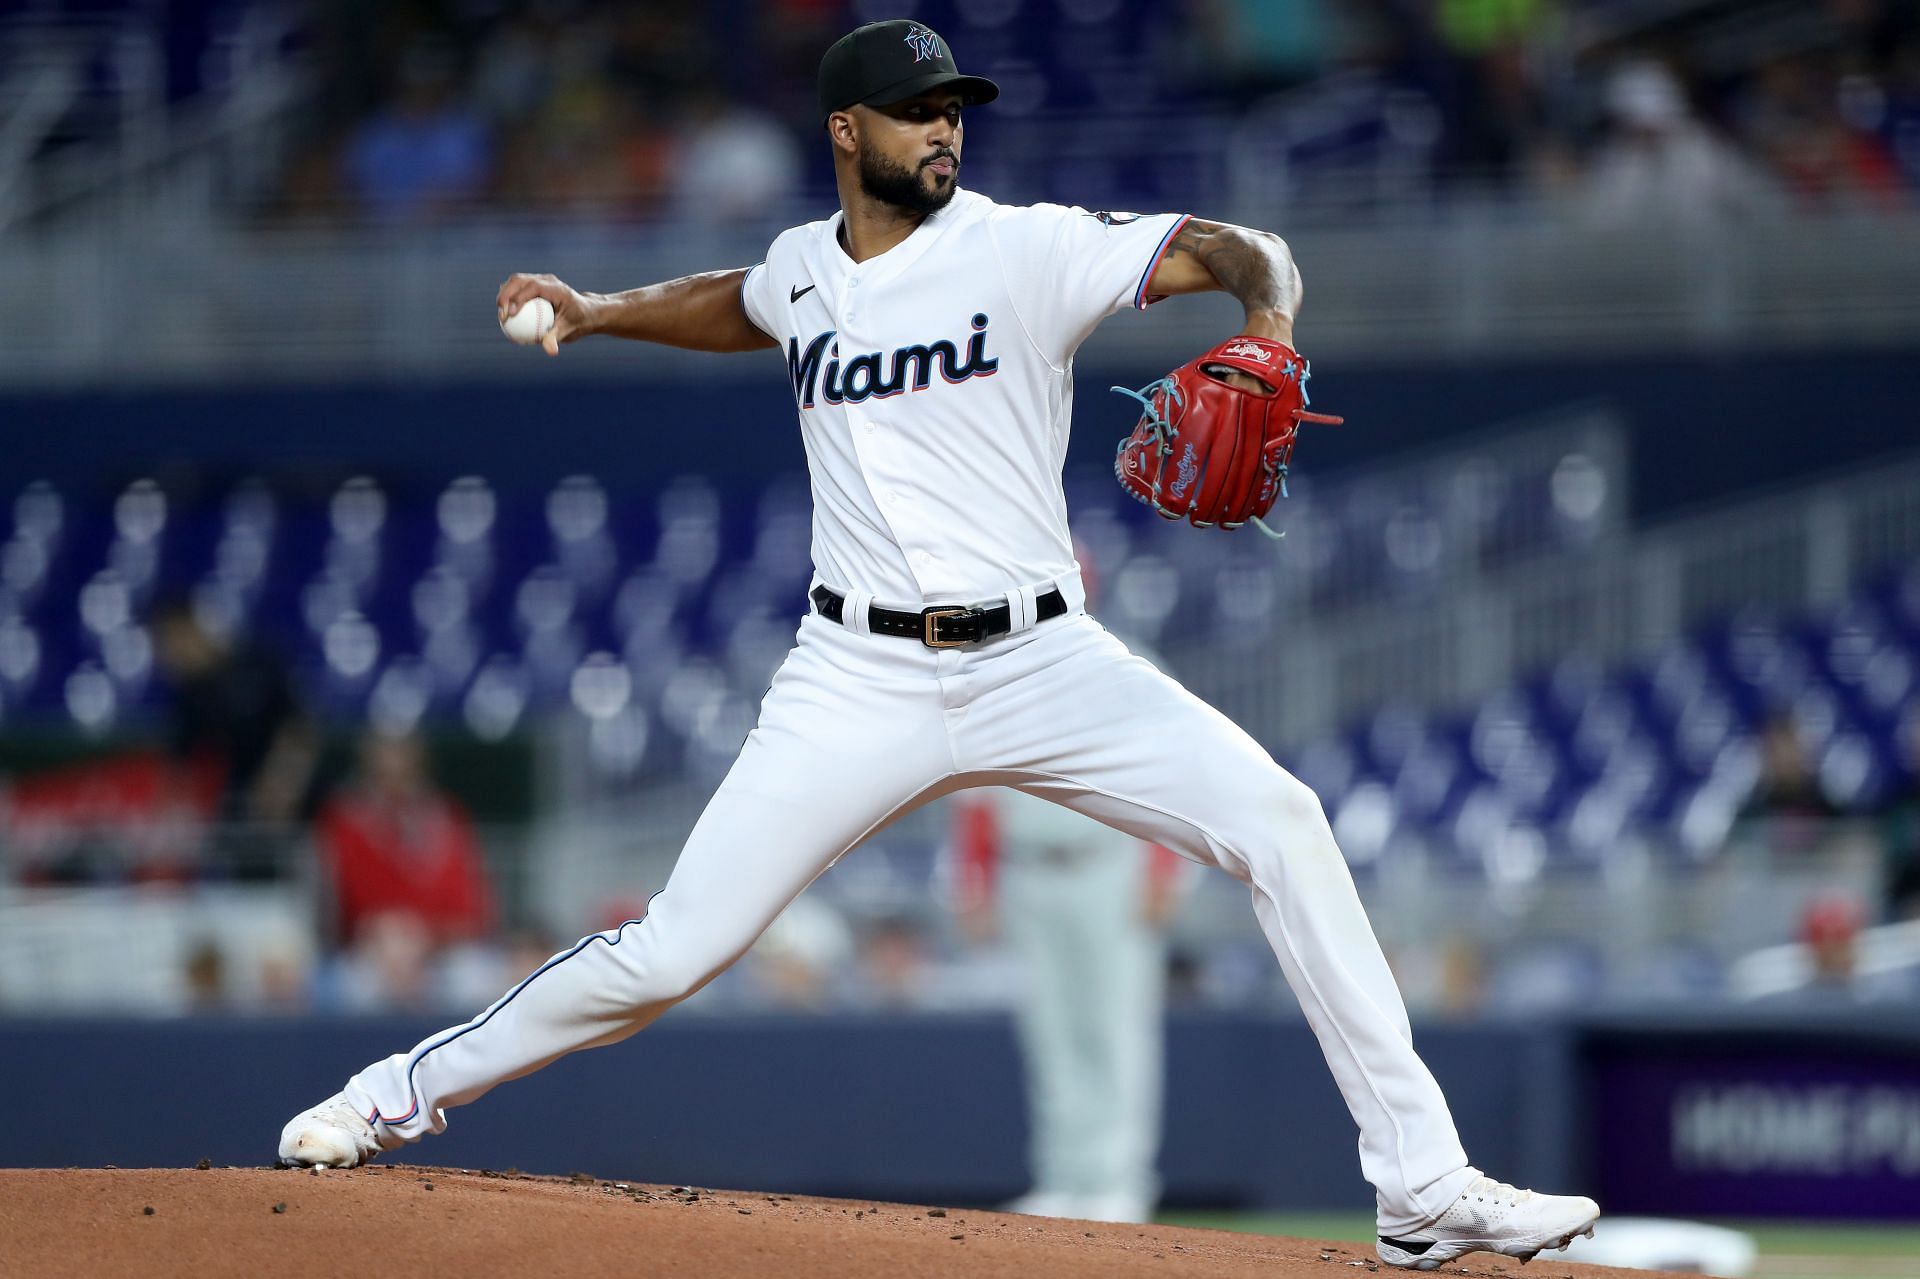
[843, 132]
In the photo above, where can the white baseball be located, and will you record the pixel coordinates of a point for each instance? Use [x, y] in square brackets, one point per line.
[530, 323]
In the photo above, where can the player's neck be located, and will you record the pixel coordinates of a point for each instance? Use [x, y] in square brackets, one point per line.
[869, 227]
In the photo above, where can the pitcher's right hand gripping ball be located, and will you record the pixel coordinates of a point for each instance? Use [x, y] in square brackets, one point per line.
[569, 320]
[1212, 452]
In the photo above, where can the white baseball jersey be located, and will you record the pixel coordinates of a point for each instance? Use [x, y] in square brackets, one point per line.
[935, 387]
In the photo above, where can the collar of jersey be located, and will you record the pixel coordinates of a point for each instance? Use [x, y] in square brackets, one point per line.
[908, 249]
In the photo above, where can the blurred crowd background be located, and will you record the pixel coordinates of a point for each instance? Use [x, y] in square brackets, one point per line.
[1699, 111]
[434, 112]
[332, 696]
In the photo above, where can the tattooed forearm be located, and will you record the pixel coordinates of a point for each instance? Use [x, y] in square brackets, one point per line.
[1254, 266]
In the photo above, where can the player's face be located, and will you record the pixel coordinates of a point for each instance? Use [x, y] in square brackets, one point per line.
[910, 151]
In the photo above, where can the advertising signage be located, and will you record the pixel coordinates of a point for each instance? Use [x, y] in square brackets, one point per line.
[1755, 1124]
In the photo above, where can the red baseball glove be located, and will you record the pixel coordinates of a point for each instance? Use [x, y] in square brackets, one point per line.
[1213, 453]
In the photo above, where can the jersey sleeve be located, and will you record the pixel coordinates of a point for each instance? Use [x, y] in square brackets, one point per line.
[756, 296]
[1068, 269]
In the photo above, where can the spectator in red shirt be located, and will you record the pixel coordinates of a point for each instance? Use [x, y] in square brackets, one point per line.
[392, 843]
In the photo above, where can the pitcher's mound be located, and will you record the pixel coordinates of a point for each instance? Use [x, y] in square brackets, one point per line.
[399, 1220]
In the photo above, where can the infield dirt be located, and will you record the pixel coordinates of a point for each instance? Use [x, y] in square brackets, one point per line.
[403, 1220]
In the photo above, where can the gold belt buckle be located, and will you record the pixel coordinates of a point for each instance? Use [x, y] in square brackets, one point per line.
[932, 616]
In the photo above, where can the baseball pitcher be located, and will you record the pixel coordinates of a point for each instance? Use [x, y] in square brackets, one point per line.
[929, 335]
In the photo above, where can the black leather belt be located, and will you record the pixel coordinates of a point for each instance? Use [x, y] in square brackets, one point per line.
[940, 626]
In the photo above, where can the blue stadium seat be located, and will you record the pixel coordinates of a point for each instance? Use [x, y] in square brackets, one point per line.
[469, 604]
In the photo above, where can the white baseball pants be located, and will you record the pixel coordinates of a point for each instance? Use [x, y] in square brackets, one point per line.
[857, 729]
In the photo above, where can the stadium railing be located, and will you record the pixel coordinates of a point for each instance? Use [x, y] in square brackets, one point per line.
[359, 303]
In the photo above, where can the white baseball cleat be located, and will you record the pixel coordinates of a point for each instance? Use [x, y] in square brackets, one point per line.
[331, 1135]
[1491, 1216]
[1115, 1205]
[1046, 1203]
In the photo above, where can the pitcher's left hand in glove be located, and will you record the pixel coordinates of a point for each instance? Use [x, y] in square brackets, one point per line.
[1214, 442]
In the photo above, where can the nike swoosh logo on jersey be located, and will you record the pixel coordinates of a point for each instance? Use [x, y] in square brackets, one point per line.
[797, 294]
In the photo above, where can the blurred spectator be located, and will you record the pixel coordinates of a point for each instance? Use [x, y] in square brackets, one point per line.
[425, 152]
[1788, 785]
[223, 974]
[567, 152]
[285, 974]
[893, 969]
[592, 104]
[1900, 826]
[134, 816]
[1446, 976]
[1787, 813]
[665, 53]
[1660, 162]
[514, 69]
[390, 966]
[400, 858]
[1474, 26]
[234, 712]
[1489, 96]
[1246, 48]
[732, 162]
[206, 977]
[795, 33]
[1818, 134]
[1830, 931]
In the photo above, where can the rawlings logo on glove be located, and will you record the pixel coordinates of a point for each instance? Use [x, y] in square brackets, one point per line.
[1251, 349]
[1212, 453]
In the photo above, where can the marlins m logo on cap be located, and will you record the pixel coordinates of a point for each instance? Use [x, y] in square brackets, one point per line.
[925, 44]
[887, 62]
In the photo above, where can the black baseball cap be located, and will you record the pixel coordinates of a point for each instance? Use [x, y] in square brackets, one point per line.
[886, 62]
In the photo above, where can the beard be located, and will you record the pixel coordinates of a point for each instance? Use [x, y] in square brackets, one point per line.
[893, 183]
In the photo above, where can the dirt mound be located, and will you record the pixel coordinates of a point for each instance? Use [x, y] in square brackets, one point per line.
[397, 1219]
